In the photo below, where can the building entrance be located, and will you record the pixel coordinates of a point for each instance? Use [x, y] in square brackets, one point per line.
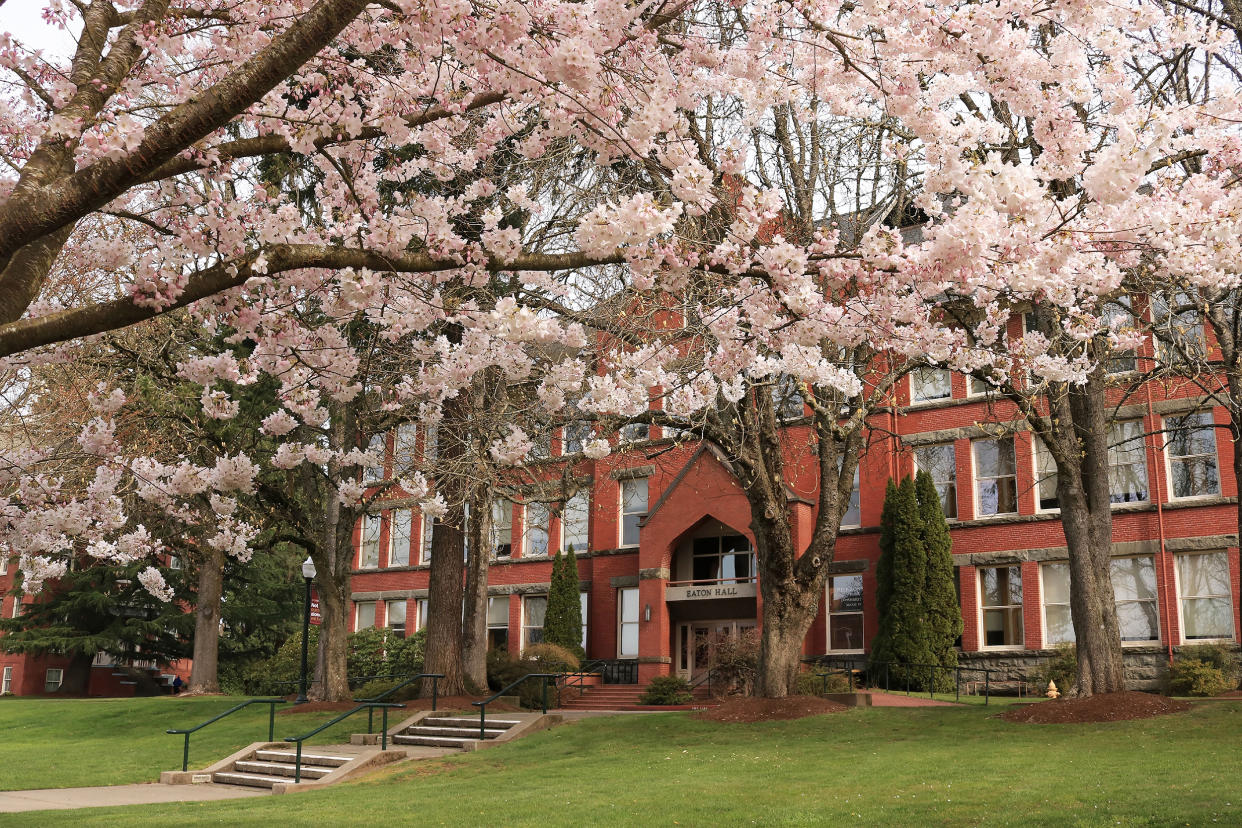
[697, 642]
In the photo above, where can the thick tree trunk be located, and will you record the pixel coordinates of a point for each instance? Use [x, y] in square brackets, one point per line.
[333, 665]
[1086, 516]
[204, 674]
[474, 632]
[789, 607]
[444, 605]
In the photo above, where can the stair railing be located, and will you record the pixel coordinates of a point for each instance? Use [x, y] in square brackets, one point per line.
[871, 678]
[482, 705]
[297, 768]
[271, 725]
[578, 678]
[435, 693]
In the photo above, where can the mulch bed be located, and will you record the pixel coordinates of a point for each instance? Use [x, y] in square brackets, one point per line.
[445, 704]
[747, 709]
[1105, 707]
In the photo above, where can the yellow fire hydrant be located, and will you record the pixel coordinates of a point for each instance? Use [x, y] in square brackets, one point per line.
[1053, 692]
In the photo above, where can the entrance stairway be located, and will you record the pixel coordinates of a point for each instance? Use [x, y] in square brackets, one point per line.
[452, 731]
[273, 766]
[619, 697]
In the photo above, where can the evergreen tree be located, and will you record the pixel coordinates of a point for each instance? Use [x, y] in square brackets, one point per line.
[101, 607]
[904, 634]
[562, 624]
[880, 649]
[940, 601]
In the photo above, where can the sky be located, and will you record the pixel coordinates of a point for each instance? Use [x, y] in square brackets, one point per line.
[24, 20]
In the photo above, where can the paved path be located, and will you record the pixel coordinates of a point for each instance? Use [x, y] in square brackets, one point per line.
[902, 700]
[65, 798]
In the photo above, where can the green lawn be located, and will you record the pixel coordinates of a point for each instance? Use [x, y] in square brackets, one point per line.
[62, 743]
[930, 766]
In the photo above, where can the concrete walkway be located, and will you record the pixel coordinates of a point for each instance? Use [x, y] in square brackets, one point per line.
[66, 798]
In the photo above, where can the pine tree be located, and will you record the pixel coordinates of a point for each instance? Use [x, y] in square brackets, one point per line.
[562, 624]
[904, 635]
[940, 601]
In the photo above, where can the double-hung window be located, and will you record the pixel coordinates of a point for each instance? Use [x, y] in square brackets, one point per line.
[928, 384]
[627, 622]
[1207, 603]
[502, 527]
[1127, 462]
[534, 608]
[400, 526]
[940, 461]
[1045, 477]
[1134, 591]
[368, 557]
[535, 537]
[845, 613]
[575, 522]
[1001, 588]
[996, 484]
[395, 615]
[364, 615]
[498, 622]
[633, 509]
[1191, 445]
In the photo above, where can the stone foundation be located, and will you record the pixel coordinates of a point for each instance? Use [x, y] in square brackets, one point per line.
[1146, 667]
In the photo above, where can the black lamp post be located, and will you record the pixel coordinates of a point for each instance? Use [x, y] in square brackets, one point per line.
[308, 572]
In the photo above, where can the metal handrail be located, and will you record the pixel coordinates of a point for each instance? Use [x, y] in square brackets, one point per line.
[580, 674]
[435, 693]
[271, 725]
[297, 768]
[931, 668]
[706, 677]
[482, 705]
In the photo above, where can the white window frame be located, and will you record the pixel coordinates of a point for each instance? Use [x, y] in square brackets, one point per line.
[388, 605]
[583, 497]
[976, 479]
[983, 609]
[6, 680]
[631, 481]
[624, 623]
[1114, 447]
[420, 614]
[1037, 475]
[362, 540]
[375, 474]
[1181, 597]
[59, 681]
[971, 392]
[504, 538]
[584, 600]
[921, 378]
[501, 601]
[4, 564]
[1208, 423]
[952, 446]
[1155, 600]
[528, 528]
[394, 538]
[1045, 603]
[526, 628]
[829, 614]
[358, 615]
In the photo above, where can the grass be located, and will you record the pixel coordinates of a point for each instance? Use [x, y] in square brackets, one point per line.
[929, 766]
[63, 743]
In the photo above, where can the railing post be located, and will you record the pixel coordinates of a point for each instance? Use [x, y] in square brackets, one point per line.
[271, 721]
[297, 767]
[371, 720]
[957, 684]
[545, 695]
[987, 686]
[435, 682]
[482, 719]
[384, 734]
[185, 754]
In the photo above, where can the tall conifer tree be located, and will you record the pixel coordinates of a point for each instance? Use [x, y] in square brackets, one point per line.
[562, 624]
[903, 637]
[940, 601]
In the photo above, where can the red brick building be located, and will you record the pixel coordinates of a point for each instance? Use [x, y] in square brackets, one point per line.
[663, 540]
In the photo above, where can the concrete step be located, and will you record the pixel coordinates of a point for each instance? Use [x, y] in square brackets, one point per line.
[464, 732]
[252, 780]
[433, 741]
[281, 769]
[466, 721]
[289, 756]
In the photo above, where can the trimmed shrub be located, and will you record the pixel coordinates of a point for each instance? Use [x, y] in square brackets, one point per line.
[551, 658]
[1061, 668]
[811, 684]
[503, 669]
[667, 690]
[1203, 670]
[734, 663]
[374, 688]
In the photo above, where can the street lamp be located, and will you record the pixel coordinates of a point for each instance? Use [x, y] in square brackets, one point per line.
[308, 572]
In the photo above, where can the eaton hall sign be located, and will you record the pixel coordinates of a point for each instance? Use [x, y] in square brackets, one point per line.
[699, 593]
